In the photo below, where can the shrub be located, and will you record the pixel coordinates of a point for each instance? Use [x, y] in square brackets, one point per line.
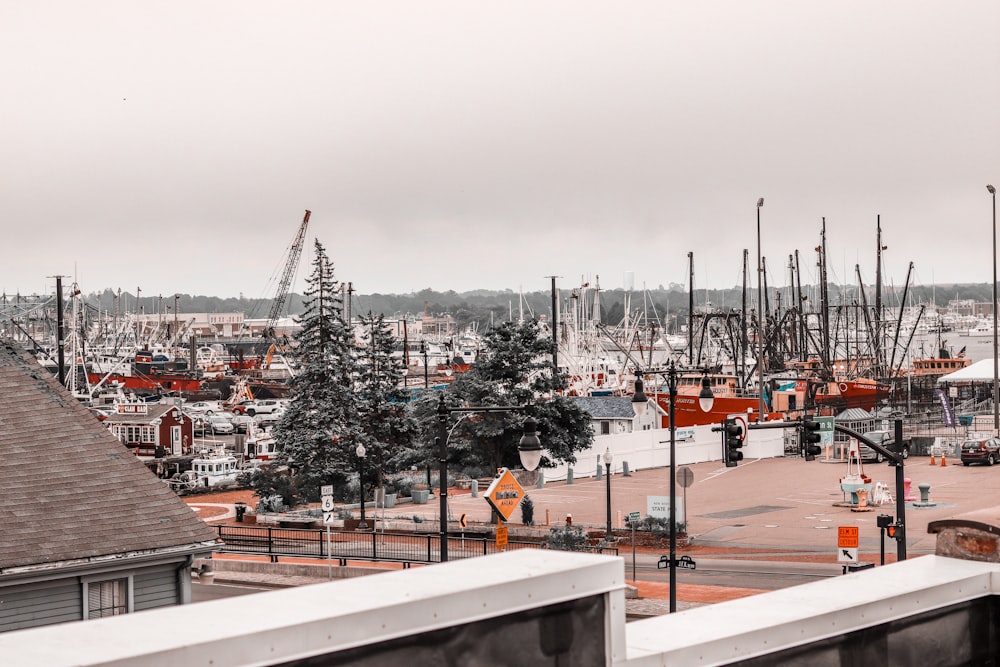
[567, 538]
[527, 511]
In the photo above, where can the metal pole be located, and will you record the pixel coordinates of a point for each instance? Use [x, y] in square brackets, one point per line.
[443, 475]
[607, 532]
[363, 525]
[900, 492]
[996, 363]
[672, 376]
[760, 323]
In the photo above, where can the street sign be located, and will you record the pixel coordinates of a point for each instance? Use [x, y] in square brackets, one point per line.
[505, 494]
[326, 490]
[847, 537]
[847, 555]
[501, 536]
[327, 504]
[634, 517]
[461, 521]
[686, 562]
[685, 477]
[328, 518]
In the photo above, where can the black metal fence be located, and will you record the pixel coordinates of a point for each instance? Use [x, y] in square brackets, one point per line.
[397, 547]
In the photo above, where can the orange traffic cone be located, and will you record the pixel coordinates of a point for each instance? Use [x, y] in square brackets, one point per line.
[944, 462]
[933, 460]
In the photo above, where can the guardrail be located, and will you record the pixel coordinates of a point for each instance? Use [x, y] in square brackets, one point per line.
[396, 547]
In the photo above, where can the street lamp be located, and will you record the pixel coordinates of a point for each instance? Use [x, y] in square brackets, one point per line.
[529, 448]
[360, 451]
[607, 470]
[760, 321]
[706, 399]
[996, 363]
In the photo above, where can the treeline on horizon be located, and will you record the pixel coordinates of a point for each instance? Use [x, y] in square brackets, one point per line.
[485, 307]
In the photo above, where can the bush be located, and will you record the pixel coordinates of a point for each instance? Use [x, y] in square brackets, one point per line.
[527, 511]
[567, 538]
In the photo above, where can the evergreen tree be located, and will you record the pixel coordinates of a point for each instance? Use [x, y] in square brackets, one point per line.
[320, 431]
[382, 397]
[514, 368]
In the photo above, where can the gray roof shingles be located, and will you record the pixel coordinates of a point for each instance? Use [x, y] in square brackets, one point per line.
[606, 407]
[68, 489]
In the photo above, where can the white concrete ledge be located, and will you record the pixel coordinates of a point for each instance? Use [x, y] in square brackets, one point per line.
[742, 629]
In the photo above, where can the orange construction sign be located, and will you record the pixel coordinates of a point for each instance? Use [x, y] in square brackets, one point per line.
[847, 537]
[505, 494]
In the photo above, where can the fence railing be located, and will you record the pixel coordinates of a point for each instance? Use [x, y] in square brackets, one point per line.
[397, 547]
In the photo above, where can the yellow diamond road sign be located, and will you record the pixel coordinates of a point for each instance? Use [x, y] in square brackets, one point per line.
[504, 494]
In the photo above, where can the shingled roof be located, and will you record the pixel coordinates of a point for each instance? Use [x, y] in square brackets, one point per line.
[68, 489]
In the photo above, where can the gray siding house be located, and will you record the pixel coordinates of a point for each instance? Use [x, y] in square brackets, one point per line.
[87, 530]
[611, 415]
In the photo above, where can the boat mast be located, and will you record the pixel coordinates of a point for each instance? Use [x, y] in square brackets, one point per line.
[690, 309]
[824, 300]
[879, 350]
[744, 342]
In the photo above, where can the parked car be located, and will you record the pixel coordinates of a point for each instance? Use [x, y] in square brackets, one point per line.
[204, 407]
[264, 406]
[884, 438]
[270, 418]
[241, 422]
[221, 424]
[242, 407]
[981, 451]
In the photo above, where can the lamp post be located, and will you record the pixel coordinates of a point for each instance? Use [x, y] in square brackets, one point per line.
[996, 363]
[705, 401]
[529, 448]
[760, 322]
[360, 451]
[423, 350]
[607, 470]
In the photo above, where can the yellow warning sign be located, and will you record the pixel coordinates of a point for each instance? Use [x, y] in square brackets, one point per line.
[505, 494]
[501, 536]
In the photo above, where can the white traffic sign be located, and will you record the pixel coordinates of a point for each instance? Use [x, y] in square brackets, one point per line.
[326, 490]
[328, 518]
[327, 503]
[847, 554]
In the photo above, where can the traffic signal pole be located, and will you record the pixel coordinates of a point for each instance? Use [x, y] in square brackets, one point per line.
[895, 459]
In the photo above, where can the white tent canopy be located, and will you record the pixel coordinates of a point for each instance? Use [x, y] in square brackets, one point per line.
[979, 371]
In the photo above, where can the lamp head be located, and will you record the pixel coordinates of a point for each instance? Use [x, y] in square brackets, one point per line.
[706, 399]
[530, 447]
[992, 189]
[639, 398]
[760, 203]
[607, 456]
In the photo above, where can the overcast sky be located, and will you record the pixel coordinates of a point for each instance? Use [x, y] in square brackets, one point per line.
[174, 146]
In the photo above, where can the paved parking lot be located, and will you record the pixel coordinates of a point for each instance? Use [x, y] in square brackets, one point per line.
[782, 504]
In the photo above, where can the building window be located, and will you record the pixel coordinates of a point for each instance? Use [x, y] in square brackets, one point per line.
[107, 598]
[605, 428]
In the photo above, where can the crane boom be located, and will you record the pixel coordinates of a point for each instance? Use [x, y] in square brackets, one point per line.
[294, 253]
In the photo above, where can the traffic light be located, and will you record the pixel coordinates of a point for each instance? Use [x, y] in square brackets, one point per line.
[808, 437]
[732, 442]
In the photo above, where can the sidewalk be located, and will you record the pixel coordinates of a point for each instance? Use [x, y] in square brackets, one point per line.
[772, 509]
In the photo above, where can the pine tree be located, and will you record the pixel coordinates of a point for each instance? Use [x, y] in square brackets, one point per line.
[320, 431]
[381, 397]
[514, 368]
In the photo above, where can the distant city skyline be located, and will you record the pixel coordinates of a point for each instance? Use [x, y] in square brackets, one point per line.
[458, 146]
